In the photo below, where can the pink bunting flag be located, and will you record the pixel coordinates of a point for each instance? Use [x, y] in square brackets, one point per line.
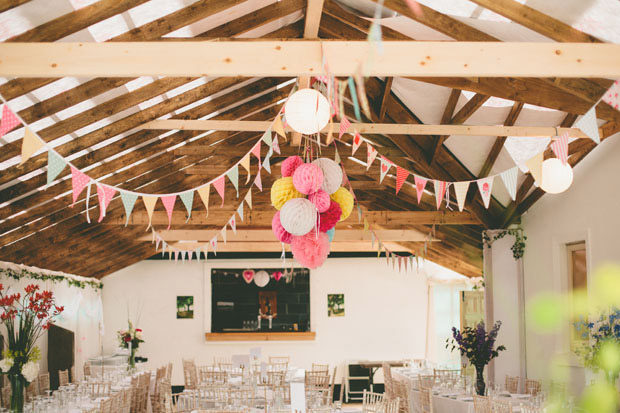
[256, 152]
[560, 148]
[401, 177]
[79, 180]
[214, 245]
[275, 145]
[486, 186]
[168, 202]
[344, 125]
[258, 182]
[8, 122]
[440, 191]
[357, 141]
[233, 224]
[105, 195]
[612, 96]
[371, 154]
[420, 184]
[219, 185]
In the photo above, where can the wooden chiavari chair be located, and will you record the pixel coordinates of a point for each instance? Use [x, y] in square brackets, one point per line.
[279, 359]
[244, 396]
[401, 392]
[106, 406]
[320, 367]
[6, 396]
[282, 367]
[532, 387]
[317, 380]
[162, 387]
[531, 409]
[391, 406]
[144, 382]
[332, 386]
[125, 406]
[416, 401]
[169, 371]
[100, 388]
[160, 373]
[482, 404]
[512, 384]
[135, 394]
[426, 381]
[372, 402]
[389, 382]
[31, 390]
[44, 383]
[190, 375]
[72, 377]
[501, 406]
[63, 377]
[116, 402]
[426, 400]
[87, 369]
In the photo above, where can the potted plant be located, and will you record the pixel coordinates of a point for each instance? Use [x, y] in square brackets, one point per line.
[477, 345]
[26, 318]
[130, 339]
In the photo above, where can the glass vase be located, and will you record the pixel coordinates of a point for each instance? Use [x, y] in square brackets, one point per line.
[18, 384]
[132, 359]
[480, 386]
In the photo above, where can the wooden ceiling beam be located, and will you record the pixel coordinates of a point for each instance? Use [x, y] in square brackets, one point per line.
[9, 4]
[515, 110]
[384, 97]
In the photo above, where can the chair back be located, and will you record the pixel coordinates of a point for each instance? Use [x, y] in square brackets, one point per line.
[482, 404]
[512, 384]
[426, 400]
[320, 367]
[44, 383]
[532, 387]
[389, 383]
[371, 401]
[169, 371]
[32, 390]
[401, 392]
[279, 359]
[278, 367]
[6, 396]
[190, 374]
[390, 406]
[87, 369]
[106, 406]
[531, 409]
[501, 406]
[63, 378]
[426, 381]
[317, 380]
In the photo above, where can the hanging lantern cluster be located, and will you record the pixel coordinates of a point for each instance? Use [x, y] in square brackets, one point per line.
[310, 201]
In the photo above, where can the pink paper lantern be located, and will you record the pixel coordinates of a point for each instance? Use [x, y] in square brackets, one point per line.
[310, 250]
[320, 199]
[281, 234]
[290, 164]
[308, 178]
[329, 218]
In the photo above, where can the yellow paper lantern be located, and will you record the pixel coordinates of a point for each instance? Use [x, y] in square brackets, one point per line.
[283, 190]
[344, 198]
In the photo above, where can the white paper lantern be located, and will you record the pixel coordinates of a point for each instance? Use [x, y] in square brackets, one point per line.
[261, 278]
[556, 177]
[307, 111]
[332, 174]
[298, 216]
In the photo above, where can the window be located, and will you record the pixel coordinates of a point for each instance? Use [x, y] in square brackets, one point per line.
[577, 281]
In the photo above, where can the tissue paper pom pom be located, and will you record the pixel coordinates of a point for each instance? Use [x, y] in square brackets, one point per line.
[308, 178]
[332, 174]
[261, 278]
[248, 275]
[320, 199]
[344, 198]
[290, 164]
[281, 234]
[330, 233]
[298, 216]
[277, 275]
[328, 219]
[309, 250]
[282, 190]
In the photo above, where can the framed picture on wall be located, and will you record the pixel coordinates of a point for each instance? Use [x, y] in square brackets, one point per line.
[335, 305]
[185, 306]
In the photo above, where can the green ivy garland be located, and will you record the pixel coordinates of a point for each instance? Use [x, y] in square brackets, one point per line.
[518, 248]
[18, 275]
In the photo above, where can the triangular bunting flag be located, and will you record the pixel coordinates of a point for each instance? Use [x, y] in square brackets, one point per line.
[198, 254]
[55, 165]
[356, 105]
[233, 175]
[535, 166]
[104, 194]
[256, 151]
[233, 224]
[204, 195]
[168, 202]
[336, 155]
[248, 198]
[214, 245]
[560, 148]
[219, 185]
[275, 145]
[587, 124]
[342, 87]
[223, 232]
[240, 211]
[189, 255]
[176, 256]
[440, 190]
[245, 162]
[266, 162]
[612, 96]
[129, 200]
[400, 263]
[149, 204]
[258, 182]
[420, 184]
[278, 127]
[371, 154]
[485, 186]
[330, 133]
[30, 144]
[509, 178]
[188, 201]
[401, 177]
[366, 225]
[357, 141]
[344, 125]
[79, 180]
[267, 137]
[385, 167]
[461, 193]
[8, 121]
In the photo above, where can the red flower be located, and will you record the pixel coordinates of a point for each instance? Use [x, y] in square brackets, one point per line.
[138, 329]
[127, 338]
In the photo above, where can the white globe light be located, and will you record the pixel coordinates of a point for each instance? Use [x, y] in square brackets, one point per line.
[556, 177]
[261, 278]
[307, 111]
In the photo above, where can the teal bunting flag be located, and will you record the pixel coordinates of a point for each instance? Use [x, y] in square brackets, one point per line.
[356, 105]
[129, 200]
[240, 211]
[233, 175]
[267, 137]
[266, 163]
[188, 201]
[55, 165]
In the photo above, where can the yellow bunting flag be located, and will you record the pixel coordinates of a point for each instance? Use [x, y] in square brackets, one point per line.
[248, 198]
[278, 127]
[204, 195]
[535, 166]
[245, 162]
[366, 225]
[330, 133]
[149, 203]
[30, 144]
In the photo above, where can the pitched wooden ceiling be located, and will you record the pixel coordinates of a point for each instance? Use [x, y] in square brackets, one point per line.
[38, 226]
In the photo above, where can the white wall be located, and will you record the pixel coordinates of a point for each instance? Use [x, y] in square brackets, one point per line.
[587, 211]
[385, 312]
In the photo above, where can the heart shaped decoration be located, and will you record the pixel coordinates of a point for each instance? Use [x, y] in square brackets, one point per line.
[384, 167]
[248, 275]
[356, 139]
[277, 275]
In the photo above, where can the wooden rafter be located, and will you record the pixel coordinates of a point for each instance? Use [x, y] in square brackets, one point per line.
[9, 4]
[384, 97]
[515, 110]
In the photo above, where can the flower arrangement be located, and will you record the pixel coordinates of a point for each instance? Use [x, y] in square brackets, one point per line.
[601, 343]
[131, 339]
[477, 345]
[26, 317]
